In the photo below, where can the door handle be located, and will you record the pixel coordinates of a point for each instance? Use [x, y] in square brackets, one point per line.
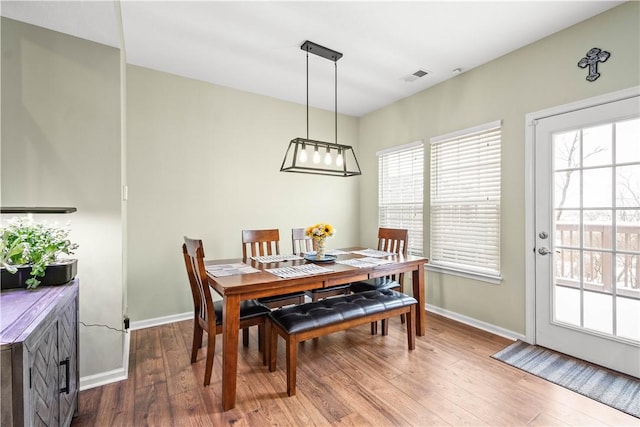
[65, 389]
[544, 251]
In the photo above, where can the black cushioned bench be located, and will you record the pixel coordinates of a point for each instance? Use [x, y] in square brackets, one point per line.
[311, 320]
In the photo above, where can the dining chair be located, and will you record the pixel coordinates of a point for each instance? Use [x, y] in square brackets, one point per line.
[207, 314]
[394, 240]
[302, 243]
[267, 242]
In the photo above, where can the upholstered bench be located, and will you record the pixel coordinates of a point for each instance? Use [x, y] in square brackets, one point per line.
[311, 320]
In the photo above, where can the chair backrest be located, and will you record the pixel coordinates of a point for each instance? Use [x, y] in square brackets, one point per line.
[260, 242]
[300, 242]
[394, 240]
[193, 252]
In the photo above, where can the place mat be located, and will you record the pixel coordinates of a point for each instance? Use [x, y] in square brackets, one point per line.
[266, 259]
[221, 270]
[364, 262]
[373, 253]
[298, 271]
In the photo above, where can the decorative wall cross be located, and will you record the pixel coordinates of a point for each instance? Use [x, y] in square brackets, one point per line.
[594, 56]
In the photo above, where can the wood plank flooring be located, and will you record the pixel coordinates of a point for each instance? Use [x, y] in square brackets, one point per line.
[346, 379]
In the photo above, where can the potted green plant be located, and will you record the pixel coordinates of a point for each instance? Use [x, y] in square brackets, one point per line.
[30, 254]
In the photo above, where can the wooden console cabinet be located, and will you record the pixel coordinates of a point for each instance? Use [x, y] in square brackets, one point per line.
[39, 355]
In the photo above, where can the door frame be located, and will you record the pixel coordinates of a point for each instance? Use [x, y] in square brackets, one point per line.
[529, 193]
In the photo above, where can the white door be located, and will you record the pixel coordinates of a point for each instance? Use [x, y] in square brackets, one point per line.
[587, 224]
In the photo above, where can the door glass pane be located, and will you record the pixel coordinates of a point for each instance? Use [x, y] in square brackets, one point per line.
[566, 150]
[596, 146]
[628, 185]
[597, 188]
[598, 312]
[567, 305]
[567, 224]
[628, 318]
[567, 189]
[597, 270]
[627, 140]
[597, 229]
[567, 267]
[628, 230]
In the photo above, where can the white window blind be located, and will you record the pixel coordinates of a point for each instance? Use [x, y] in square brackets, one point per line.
[401, 191]
[465, 200]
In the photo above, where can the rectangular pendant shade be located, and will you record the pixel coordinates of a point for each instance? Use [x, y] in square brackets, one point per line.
[320, 158]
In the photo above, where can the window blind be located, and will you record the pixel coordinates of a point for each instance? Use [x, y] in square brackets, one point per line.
[465, 200]
[401, 191]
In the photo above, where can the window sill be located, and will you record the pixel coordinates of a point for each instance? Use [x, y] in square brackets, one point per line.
[483, 277]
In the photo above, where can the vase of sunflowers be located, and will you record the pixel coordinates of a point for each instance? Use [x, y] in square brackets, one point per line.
[319, 233]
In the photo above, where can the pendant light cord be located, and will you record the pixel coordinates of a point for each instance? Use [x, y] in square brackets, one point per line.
[307, 94]
[335, 64]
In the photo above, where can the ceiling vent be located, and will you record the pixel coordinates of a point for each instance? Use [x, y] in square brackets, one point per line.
[416, 75]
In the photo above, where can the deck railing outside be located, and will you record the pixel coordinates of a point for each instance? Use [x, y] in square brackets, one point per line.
[600, 274]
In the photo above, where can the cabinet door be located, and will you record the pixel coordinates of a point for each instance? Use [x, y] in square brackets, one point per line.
[67, 348]
[43, 407]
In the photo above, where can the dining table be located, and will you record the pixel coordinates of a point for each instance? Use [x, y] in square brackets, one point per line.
[261, 282]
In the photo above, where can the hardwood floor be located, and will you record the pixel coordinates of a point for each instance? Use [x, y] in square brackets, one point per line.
[348, 378]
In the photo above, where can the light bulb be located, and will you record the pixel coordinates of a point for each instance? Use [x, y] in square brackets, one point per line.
[302, 156]
[316, 156]
[327, 158]
[339, 159]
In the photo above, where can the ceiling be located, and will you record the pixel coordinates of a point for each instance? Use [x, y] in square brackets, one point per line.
[255, 46]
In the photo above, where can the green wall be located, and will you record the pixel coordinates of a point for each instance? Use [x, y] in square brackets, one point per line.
[541, 75]
[204, 161]
[61, 147]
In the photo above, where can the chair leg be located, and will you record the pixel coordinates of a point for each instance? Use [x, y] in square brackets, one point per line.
[292, 354]
[197, 340]
[385, 327]
[411, 329]
[273, 348]
[245, 337]
[211, 350]
[263, 341]
[374, 328]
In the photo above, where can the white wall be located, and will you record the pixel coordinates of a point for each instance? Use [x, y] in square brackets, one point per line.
[541, 75]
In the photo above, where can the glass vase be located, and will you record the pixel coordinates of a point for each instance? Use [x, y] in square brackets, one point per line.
[319, 245]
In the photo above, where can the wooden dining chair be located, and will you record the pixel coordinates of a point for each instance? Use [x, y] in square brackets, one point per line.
[394, 240]
[207, 314]
[267, 242]
[302, 243]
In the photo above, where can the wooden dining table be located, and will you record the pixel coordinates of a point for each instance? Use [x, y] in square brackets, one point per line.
[240, 287]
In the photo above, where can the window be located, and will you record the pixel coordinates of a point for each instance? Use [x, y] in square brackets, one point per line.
[401, 191]
[465, 201]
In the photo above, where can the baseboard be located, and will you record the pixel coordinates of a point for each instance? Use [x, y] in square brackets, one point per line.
[488, 327]
[157, 321]
[97, 380]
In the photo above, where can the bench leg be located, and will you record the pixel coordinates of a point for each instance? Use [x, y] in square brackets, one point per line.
[411, 330]
[245, 337]
[374, 328]
[292, 355]
[385, 327]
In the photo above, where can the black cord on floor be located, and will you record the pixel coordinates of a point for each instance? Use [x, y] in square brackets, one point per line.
[103, 326]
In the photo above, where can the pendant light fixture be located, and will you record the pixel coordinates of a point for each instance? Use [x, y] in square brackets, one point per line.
[306, 155]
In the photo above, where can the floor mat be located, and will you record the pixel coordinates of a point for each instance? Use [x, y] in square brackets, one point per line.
[614, 389]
